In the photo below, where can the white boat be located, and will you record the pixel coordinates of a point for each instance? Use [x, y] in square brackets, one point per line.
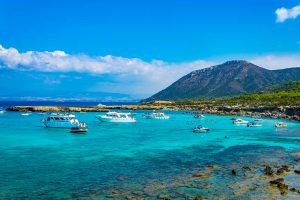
[200, 129]
[116, 117]
[157, 115]
[63, 120]
[200, 116]
[280, 125]
[240, 121]
[254, 124]
[257, 118]
[26, 113]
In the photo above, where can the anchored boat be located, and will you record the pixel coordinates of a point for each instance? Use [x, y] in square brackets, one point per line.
[78, 130]
[240, 121]
[63, 120]
[116, 117]
[198, 115]
[253, 124]
[280, 125]
[26, 113]
[157, 115]
[200, 129]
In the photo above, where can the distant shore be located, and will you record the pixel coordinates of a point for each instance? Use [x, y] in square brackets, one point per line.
[284, 112]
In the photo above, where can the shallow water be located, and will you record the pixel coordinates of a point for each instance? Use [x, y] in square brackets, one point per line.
[116, 160]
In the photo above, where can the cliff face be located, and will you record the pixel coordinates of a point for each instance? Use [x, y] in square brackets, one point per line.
[228, 79]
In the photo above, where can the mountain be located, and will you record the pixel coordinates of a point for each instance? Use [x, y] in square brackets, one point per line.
[229, 79]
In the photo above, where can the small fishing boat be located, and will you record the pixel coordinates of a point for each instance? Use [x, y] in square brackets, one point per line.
[199, 116]
[26, 113]
[280, 125]
[200, 129]
[240, 121]
[157, 115]
[257, 118]
[78, 130]
[116, 117]
[63, 120]
[254, 124]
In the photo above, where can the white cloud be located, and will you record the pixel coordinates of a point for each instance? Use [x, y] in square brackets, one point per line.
[156, 73]
[125, 75]
[283, 13]
[276, 61]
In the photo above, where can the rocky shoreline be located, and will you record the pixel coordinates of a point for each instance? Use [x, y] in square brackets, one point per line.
[283, 112]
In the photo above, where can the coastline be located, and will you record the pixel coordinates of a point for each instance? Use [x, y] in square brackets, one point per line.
[282, 112]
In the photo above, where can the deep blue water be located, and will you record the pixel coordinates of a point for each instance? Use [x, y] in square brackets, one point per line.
[114, 160]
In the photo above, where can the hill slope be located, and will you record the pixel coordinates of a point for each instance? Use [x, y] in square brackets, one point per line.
[229, 79]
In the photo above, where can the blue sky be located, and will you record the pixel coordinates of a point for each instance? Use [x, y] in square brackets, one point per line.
[129, 49]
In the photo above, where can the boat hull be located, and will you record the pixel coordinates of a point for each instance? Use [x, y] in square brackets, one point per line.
[116, 120]
[53, 124]
[153, 117]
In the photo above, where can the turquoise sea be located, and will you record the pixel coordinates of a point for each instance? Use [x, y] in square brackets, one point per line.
[149, 159]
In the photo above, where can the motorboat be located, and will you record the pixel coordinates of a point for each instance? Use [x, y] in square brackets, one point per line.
[63, 120]
[240, 121]
[157, 115]
[280, 125]
[200, 129]
[78, 130]
[26, 113]
[254, 124]
[257, 118]
[198, 115]
[116, 117]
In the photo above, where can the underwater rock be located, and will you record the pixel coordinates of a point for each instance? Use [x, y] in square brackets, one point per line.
[131, 198]
[295, 190]
[277, 181]
[280, 171]
[283, 188]
[297, 171]
[138, 193]
[246, 168]
[268, 171]
[202, 175]
[285, 168]
[163, 197]
[233, 172]
[198, 198]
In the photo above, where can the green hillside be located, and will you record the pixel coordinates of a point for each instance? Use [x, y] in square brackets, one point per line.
[287, 94]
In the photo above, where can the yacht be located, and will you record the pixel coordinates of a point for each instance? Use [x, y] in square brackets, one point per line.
[157, 115]
[280, 125]
[26, 113]
[198, 115]
[240, 121]
[63, 120]
[116, 117]
[200, 129]
[254, 124]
